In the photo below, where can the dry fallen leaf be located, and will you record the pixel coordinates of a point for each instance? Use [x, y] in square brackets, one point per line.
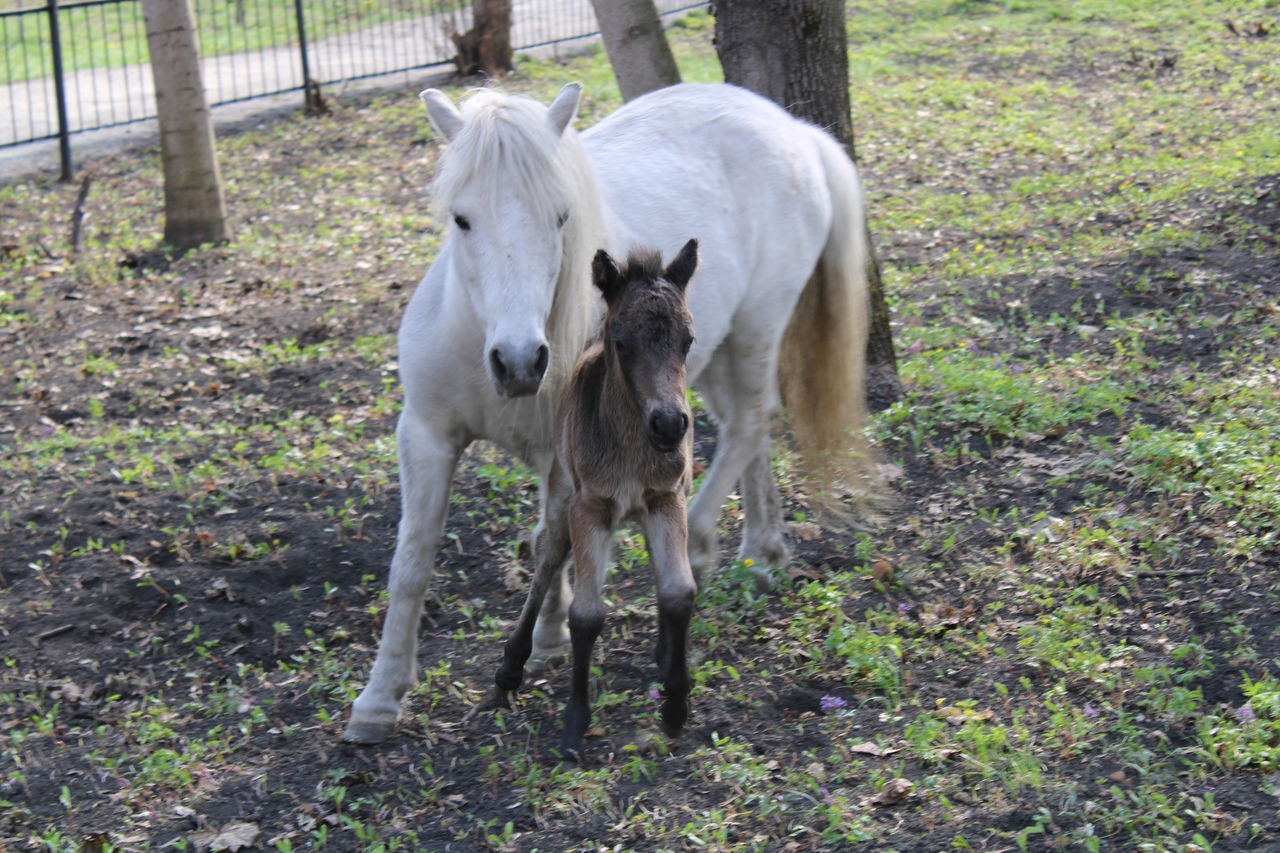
[869, 748]
[232, 837]
[805, 531]
[889, 473]
[893, 792]
[806, 572]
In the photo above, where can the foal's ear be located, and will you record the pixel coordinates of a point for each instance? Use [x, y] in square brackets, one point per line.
[683, 266]
[564, 107]
[607, 276]
[444, 116]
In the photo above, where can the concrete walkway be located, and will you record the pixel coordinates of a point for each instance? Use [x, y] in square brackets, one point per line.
[238, 83]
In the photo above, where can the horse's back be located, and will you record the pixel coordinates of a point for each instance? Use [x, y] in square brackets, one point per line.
[736, 171]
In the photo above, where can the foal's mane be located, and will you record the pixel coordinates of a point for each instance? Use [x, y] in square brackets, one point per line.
[507, 142]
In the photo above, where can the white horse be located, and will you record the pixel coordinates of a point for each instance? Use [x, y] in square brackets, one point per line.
[779, 306]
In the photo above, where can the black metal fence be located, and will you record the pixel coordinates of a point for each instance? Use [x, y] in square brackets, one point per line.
[73, 66]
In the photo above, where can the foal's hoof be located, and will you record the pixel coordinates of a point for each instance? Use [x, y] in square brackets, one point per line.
[675, 713]
[571, 749]
[368, 732]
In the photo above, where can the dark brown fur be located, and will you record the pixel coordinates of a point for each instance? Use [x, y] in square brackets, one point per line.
[624, 449]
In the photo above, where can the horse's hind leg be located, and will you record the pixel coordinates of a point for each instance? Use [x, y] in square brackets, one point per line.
[591, 528]
[667, 534]
[740, 394]
[426, 471]
[551, 547]
[762, 539]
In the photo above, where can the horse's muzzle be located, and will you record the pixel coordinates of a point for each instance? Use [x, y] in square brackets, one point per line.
[666, 427]
[519, 375]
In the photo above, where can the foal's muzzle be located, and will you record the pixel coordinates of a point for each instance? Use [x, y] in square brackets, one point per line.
[519, 373]
[666, 427]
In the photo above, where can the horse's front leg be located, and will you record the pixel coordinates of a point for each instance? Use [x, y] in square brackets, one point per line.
[427, 463]
[591, 529]
[550, 549]
[667, 534]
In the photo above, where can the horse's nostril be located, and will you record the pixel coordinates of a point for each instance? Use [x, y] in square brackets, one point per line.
[540, 365]
[500, 371]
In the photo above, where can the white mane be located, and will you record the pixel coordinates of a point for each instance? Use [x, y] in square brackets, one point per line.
[508, 142]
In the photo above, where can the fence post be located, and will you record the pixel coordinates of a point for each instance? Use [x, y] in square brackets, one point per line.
[60, 91]
[309, 98]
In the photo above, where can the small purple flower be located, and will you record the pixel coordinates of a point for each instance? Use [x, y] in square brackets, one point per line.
[1245, 713]
[1015, 369]
[654, 694]
[904, 607]
[826, 795]
[973, 347]
[832, 703]
[915, 348]
[1090, 712]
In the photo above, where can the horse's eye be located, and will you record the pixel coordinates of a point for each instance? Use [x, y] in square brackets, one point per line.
[564, 217]
[688, 343]
[620, 346]
[462, 222]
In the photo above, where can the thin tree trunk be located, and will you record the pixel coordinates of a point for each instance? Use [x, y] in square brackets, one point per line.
[796, 54]
[195, 210]
[486, 47]
[637, 46]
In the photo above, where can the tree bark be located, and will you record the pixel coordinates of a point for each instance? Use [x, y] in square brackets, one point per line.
[796, 54]
[195, 210]
[486, 47]
[637, 46]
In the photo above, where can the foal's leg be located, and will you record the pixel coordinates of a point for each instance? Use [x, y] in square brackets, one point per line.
[551, 547]
[427, 463]
[666, 533]
[591, 528]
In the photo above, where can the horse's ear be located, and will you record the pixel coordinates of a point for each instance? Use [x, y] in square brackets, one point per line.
[607, 276]
[564, 107]
[443, 114]
[683, 266]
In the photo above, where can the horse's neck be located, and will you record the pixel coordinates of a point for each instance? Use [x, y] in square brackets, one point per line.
[578, 310]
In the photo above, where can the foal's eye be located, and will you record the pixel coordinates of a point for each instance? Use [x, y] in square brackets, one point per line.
[563, 218]
[462, 222]
[620, 346]
[688, 343]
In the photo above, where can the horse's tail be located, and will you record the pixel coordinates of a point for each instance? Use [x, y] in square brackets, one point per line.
[822, 361]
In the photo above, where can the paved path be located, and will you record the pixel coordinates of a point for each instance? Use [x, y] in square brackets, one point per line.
[238, 82]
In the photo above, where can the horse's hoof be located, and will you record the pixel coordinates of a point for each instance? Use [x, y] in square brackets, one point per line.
[673, 719]
[570, 750]
[368, 732]
[544, 659]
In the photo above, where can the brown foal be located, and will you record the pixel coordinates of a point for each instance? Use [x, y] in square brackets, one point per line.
[623, 449]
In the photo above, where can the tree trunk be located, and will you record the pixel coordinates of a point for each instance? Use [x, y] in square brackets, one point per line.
[195, 211]
[637, 46]
[796, 54]
[486, 47]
